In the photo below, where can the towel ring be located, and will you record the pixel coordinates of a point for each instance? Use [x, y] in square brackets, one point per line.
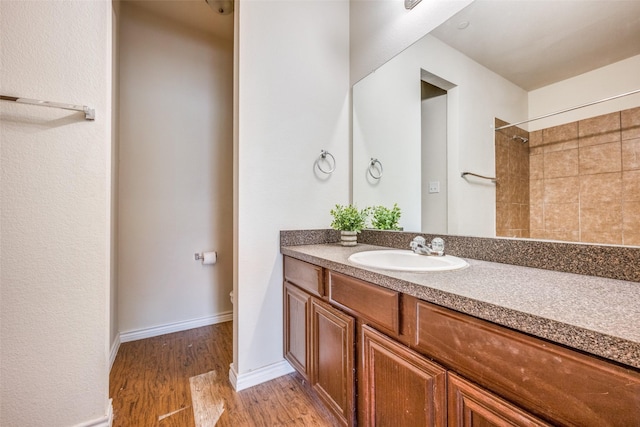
[373, 167]
[323, 157]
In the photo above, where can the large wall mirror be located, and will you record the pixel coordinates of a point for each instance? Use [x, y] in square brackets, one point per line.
[430, 114]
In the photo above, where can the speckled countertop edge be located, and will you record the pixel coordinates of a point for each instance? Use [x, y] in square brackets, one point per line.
[597, 315]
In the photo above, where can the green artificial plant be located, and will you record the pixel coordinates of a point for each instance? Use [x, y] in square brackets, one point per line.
[384, 218]
[348, 218]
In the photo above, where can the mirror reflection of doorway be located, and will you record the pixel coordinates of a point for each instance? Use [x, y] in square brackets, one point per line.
[434, 156]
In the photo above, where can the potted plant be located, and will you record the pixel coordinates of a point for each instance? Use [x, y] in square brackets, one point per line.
[350, 221]
[383, 218]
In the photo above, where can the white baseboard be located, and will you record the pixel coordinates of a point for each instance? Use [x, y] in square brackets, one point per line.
[258, 376]
[169, 328]
[105, 421]
[115, 346]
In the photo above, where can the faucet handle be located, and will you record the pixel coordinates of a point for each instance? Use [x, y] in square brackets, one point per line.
[418, 242]
[437, 244]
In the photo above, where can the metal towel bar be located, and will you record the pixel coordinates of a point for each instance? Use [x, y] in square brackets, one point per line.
[89, 113]
[492, 179]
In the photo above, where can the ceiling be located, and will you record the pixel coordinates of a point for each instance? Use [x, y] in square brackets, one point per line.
[534, 43]
[196, 14]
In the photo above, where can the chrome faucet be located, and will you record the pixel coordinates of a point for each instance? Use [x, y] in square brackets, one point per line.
[420, 246]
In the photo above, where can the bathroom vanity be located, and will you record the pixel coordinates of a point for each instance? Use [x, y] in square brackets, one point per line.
[492, 344]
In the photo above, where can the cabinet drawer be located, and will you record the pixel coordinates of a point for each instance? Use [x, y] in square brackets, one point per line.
[304, 275]
[553, 382]
[379, 305]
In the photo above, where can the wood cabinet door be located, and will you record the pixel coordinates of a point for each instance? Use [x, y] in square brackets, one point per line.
[296, 328]
[401, 387]
[472, 406]
[332, 343]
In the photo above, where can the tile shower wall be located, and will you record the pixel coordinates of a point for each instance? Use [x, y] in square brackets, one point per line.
[585, 180]
[512, 186]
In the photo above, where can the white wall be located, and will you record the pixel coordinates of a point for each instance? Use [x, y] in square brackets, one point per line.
[381, 29]
[292, 89]
[383, 105]
[175, 171]
[620, 77]
[55, 198]
[479, 95]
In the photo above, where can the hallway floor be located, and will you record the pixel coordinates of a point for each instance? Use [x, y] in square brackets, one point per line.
[165, 380]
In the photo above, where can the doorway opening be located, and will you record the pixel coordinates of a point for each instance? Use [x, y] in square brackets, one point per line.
[434, 153]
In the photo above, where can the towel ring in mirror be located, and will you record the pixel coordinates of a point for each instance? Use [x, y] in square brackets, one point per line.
[375, 166]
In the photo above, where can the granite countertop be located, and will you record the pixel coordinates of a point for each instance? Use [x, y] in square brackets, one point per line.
[593, 314]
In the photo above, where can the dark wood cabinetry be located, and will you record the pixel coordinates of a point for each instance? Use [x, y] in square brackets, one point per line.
[332, 354]
[306, 276]
[319, 339]
[473, 406]
[401, 387]
[296, 333]
[374, 304]
[419, 364]
[551, 381]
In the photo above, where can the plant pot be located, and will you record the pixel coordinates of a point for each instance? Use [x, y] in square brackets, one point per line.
[348, 238]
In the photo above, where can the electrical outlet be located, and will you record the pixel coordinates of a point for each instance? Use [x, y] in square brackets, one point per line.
[434, 186]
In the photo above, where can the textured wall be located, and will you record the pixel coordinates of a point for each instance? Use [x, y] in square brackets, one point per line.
[55, 214]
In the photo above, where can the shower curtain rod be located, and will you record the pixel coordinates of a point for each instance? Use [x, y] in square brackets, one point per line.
[89, 113]
[568, 109]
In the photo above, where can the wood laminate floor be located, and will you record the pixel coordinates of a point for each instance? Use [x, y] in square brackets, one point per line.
[151, 384]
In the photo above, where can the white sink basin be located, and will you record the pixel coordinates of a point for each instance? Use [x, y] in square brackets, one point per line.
[405, 260]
